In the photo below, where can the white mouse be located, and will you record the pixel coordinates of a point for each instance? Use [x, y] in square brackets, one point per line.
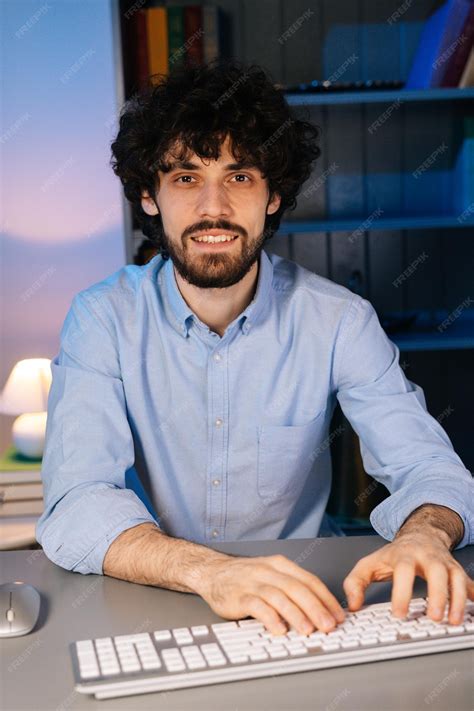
[19, 608]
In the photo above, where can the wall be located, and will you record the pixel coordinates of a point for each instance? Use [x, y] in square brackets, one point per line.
[62, 224]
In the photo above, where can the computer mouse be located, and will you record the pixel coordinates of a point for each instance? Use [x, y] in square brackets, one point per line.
[19, 608]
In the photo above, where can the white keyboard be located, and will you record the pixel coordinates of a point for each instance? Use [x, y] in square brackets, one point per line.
[229, 651]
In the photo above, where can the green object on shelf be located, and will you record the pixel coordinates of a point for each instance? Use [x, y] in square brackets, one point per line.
[12, 460]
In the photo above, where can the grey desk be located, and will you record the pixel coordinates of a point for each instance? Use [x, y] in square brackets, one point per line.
[36, 672]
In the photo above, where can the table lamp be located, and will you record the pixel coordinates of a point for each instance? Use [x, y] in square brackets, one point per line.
[26, 394]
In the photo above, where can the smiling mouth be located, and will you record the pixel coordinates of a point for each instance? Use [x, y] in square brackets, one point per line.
[214, 243]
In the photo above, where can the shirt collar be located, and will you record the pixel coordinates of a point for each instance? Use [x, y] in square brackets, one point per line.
[181, 316]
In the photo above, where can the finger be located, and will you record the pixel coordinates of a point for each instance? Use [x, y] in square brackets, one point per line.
[307, 601]
[314, 583]
[436, 575]
[402, 588]
[356, 583]
[257, 608]
[470, 589]
[458, 594]
[286, 608]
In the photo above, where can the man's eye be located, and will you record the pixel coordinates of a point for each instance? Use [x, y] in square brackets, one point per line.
[182, 176]
[242, 175]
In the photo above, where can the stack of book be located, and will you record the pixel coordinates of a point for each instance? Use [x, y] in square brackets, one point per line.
[21, 489]
[156, 37]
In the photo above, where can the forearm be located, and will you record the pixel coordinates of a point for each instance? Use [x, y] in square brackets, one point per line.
[144, 554]
[438, 520]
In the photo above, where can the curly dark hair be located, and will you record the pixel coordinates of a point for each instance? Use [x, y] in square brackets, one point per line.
[200, 106]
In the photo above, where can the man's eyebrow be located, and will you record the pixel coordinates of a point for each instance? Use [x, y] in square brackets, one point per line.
[189, 165]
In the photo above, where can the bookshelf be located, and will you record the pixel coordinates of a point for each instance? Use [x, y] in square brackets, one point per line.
[333, 231]
[378, 97]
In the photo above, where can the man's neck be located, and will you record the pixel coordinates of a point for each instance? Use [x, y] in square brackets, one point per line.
[217, 308]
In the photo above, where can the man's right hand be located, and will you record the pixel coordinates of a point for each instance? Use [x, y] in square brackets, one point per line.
[273, 590]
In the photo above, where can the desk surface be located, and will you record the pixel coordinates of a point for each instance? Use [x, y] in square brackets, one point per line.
[36, 672]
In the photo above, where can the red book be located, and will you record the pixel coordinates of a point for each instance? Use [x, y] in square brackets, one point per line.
[141, 49]
[193, 34]
[459, 58]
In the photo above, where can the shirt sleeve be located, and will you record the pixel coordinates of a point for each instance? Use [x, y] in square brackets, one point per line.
[402, 445]
[89, 445]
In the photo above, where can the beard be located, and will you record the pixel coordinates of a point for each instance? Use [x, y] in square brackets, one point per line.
[214, 270]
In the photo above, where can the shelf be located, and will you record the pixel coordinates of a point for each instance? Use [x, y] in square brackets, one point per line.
[458, 334]
[378, 97]
[382, 223]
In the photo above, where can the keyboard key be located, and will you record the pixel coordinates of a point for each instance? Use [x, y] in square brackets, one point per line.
[130, 665]
[196, 663]
[239, 658]
[175, 666]
[277, 652]
[173, 659]
[199, 630]
[417, 634]
[366, 641]
[313, 643]
[150, 663]
[89, 672]
[251, 625]
[215, 661]
[296, 650]
[183, 636]
[109, 669]
[349, 643]
[455, 629]
[161, 635]
[224, 626]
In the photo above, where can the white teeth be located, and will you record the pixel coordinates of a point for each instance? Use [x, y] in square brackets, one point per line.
[214, 238]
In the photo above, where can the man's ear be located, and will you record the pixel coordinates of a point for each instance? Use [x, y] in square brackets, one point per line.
[273, 204]
[148, 204]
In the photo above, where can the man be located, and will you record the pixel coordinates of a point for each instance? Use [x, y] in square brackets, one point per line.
[215, 369]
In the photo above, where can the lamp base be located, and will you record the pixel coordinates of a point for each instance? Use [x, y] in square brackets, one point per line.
[28, 434]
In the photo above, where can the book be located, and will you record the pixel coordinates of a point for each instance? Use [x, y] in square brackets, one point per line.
[157, 40]
[438, 39]
[135, 51]
[193, 32]
[20, 492]
[176, 38]
[461, 50]
[15, 468]
[464, 172]
[20, 477]
[212, 26]
[21, 508]
[467, 78]
[140, 43]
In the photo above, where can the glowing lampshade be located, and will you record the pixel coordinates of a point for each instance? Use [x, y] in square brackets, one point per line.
[26, 394]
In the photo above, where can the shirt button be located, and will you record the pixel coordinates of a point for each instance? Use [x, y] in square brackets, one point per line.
[215, 533]
[216, 482]
[217, 357]
[219, 422]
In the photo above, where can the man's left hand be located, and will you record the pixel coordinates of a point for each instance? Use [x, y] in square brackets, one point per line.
[420, 553]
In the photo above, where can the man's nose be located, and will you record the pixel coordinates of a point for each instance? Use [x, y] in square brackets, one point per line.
[213, 201]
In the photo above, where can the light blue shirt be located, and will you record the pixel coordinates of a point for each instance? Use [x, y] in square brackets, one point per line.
[229, 436]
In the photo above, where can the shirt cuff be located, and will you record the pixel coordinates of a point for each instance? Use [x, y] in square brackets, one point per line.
[78, 531]
[93, 562]
[388, 516]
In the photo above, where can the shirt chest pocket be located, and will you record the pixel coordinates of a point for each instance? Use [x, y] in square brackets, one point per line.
[286, 454]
